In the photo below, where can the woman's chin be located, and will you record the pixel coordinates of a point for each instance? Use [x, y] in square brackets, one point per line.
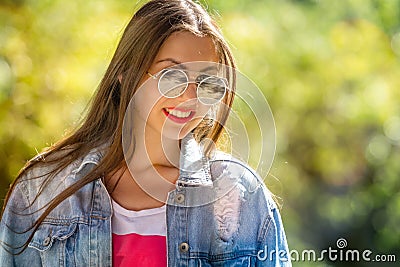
[178, 133]
[175, 135]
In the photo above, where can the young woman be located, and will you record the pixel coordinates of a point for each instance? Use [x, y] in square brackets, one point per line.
[139, 183]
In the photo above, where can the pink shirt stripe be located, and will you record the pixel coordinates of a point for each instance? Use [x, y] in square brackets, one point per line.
[139, 237]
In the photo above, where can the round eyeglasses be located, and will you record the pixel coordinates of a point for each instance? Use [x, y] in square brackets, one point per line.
[173, 83]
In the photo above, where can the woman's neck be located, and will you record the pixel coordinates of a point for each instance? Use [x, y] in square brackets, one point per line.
[151, 173]
[154, 149]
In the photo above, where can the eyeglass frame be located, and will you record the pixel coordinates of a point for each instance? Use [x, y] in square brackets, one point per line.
[159, 74]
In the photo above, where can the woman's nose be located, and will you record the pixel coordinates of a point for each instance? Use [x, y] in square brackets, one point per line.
[190, 92]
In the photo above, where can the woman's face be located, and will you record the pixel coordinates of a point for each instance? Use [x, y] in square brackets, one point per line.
[173, 117]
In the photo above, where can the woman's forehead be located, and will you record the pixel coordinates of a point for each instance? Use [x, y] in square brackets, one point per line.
[181, 47]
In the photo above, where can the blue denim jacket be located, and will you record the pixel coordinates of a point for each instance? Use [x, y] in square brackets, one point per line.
[220, 214]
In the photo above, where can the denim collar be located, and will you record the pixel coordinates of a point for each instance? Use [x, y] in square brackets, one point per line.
[93, 157]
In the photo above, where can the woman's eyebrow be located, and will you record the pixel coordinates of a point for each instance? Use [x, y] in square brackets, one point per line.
[213, 68]
[169, 59]
[176, 62]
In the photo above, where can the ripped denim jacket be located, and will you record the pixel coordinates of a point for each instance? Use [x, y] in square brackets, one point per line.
[220, 214]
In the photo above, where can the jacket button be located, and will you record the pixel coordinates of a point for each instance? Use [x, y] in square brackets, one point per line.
[179, 198]
[184, 247]
[46, 241]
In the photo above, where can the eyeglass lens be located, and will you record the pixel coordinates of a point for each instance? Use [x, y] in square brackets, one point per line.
[210, 89]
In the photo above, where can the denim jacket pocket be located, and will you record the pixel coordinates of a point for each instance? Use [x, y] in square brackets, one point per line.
[221, 261]
[48, 234]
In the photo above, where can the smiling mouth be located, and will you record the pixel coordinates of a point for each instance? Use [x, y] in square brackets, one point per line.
[178, 115]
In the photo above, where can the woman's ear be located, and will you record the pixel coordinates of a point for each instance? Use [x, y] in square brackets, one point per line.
[120, 78]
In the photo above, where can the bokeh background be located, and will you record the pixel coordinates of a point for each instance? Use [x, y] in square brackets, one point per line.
[329, 69]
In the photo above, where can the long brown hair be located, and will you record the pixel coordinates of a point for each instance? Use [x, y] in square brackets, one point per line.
[147, 30]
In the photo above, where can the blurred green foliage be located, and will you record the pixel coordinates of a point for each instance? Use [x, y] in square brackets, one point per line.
[329, 69]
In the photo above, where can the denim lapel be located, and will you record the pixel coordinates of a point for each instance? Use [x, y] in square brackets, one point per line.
[194, 166]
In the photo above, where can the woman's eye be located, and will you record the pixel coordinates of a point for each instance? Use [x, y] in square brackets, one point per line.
[201, 78]
[163, 71]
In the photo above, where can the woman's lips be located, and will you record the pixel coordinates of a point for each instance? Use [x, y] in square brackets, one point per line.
[179, 115]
